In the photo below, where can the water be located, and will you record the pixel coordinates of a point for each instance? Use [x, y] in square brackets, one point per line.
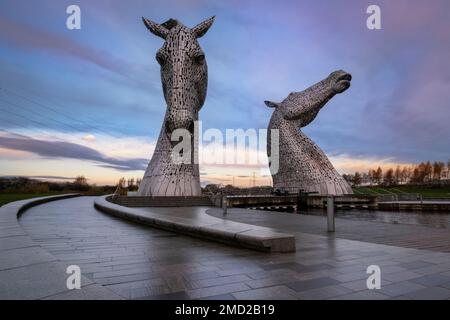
[431, 219]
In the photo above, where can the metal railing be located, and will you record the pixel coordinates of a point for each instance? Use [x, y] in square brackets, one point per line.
[400, 197]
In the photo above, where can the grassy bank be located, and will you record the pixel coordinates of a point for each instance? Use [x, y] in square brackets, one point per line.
[426, 192]
[7, 197]
[10, 197]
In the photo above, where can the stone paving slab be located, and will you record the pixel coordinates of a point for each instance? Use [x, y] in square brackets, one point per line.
[398, 234]
[36, 281]
[401, 288]
[15, 258]
[89, 292]
[436, 293]
[269, 293]
[16, 242]
[157, 264]
[194, 221]
[27, 271]
[323, 292]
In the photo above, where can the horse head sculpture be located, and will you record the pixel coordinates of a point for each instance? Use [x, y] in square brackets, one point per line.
[184, 77]
[302, 166]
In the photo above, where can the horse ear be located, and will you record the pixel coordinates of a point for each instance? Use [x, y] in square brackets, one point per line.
[156, 29]
[200, 29]
[271, 104]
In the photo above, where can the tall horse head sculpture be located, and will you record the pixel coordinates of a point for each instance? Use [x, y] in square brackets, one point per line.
[184, 77]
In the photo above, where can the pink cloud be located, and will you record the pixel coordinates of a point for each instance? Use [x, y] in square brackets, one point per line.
[33, 38]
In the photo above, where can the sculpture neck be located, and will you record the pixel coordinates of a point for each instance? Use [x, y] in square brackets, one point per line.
[164, 148]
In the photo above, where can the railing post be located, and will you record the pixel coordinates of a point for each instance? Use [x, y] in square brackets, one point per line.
[302, 202]
[330, 214]
[224, 204]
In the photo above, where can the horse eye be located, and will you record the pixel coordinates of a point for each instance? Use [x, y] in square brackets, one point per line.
[160, 59]
[200, 58]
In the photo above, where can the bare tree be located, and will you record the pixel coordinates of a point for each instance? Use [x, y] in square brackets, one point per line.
[370, 176]
[80, 183]
[428, 171]
[446, 169]
[357, 179]
[423, 172]
[438, 168]
[406, 174]
[397, 175]
[120, 189]
[416, 177]
[80, 180]
[389, 177]
[378, 175]
[365, 178]
[348, 177]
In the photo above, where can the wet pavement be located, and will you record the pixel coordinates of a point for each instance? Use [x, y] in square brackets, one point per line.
[361, 225]
[428, 219]
[195, 222]
[139, 262]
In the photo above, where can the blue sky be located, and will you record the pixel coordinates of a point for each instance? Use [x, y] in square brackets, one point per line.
[103, 87]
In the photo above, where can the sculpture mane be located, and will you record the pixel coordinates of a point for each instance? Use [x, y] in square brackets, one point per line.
[184, 77]
[303, 166]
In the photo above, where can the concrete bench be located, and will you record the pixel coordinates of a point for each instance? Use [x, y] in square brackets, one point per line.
[193, 221]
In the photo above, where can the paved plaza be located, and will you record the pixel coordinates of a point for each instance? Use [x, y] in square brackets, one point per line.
[393, 233]
[124, 260]
[194, 221]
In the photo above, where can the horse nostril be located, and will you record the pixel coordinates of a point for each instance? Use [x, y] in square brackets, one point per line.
[346, 76]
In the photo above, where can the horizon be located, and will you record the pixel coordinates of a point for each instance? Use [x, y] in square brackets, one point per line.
[89, 102]
[250, 182]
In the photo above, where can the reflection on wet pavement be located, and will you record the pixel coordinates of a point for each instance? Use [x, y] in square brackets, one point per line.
[431, 219]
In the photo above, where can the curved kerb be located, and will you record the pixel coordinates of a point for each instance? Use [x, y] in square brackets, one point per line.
[195, 222]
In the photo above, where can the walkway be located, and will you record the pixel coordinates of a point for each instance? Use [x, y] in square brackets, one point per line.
[140, 262]
[28, 271]
[401, 235]
[193, 221]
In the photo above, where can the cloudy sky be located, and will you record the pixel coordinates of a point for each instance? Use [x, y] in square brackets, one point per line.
[90, 101]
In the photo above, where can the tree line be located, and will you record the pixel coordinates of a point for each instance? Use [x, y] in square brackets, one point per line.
[422, 173]
[25, 185]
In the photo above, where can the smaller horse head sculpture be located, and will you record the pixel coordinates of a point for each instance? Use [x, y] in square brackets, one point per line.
[302, 107]
[302, 165]
[184, 73]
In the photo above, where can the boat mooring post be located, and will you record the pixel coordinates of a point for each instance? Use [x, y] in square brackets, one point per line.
[330, 214]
